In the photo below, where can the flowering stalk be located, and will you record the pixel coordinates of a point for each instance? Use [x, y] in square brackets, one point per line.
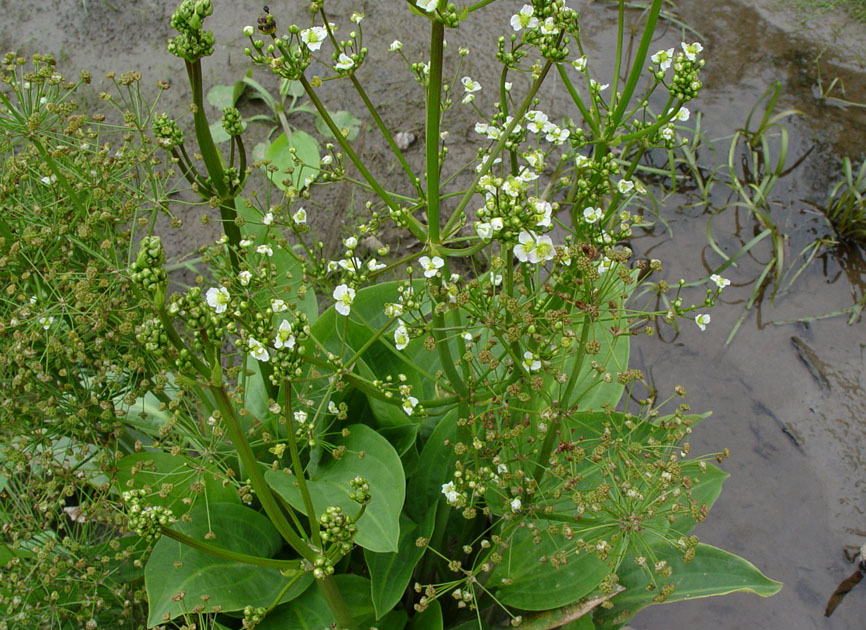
[300, 475]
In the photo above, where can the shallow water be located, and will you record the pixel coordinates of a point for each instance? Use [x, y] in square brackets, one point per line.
[793, 413]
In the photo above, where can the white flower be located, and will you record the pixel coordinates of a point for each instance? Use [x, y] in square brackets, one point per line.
[344, 295]
[268, 218]
[49, 180]
[345, 62]
[702, 319]
[682, 115]
[581, 161]
[544, 250]
[245, 277]
[451, 495]
[300, 417]
[496, 223]
[332, 407]
[249, 30]
[524, 19]
[409, 404]
[356, 17]
[526, 243]
[401, 336]
[46, 322]
[513, 186]
[313, 37]
[537, 119]
[691, 50]
[507, 86]
[555, 134]
[279, 306]
[257, 350]
[516, 505]
[467, 337]
[663, 58]
[579, 63]
[530, 362]
[625, 186]
[351, 242]
[427, 5]
[265, 249]
[218, 299]
[395, 46]
[548, 27]
[284, 338]
[495, 278]
[300, 216]
[667, 133]
[374, 265]
[591, 215]
[393, 310]
[481, 128]
[595, 86]
[469, 85]
[720, 281]
[431, 265]
[543, 212]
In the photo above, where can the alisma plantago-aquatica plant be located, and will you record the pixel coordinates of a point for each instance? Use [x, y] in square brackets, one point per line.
[448, 442]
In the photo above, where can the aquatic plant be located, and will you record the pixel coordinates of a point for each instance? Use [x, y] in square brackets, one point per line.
[427, 439]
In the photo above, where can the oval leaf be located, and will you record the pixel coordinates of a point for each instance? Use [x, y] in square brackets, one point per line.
[310, 611]
[306, 150]
[174, 568]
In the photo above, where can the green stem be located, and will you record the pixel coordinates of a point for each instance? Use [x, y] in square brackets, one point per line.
[336, 603]
[299, 469]
[638, 66]
[415, 227]
[257, 478]
[209, 152]
[434, 105]
[387, 134]
[234, 556]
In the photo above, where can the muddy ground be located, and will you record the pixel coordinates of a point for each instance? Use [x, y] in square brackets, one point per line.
[788, 398]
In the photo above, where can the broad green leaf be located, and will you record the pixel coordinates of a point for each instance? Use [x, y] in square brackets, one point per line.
[369, 455]
[394, 620]
[390, 573]
[176, 568]
[712, 572]
[348, 124]
[168, 480]
[435, 468]
[537, 584]
[429, 619]
[310, 611]
[222, 96]
[279, 154]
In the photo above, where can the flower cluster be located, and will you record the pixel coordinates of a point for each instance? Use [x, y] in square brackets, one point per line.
[191, 43]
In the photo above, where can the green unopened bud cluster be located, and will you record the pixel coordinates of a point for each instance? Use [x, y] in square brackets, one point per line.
[686, 82]
[168, 135]
[336, 527]
[192, 42]
[147, 270]
[232, 122]
[253, 616]
[151, 334]
[146, 520]
[360, 490]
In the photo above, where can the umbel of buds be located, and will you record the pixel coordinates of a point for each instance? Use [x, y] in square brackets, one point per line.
[232, 122]
[148, 269]
[337, 527]
[253, 616]
[360, 490]
[192, 42]
[168, 135]
[145, 520]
